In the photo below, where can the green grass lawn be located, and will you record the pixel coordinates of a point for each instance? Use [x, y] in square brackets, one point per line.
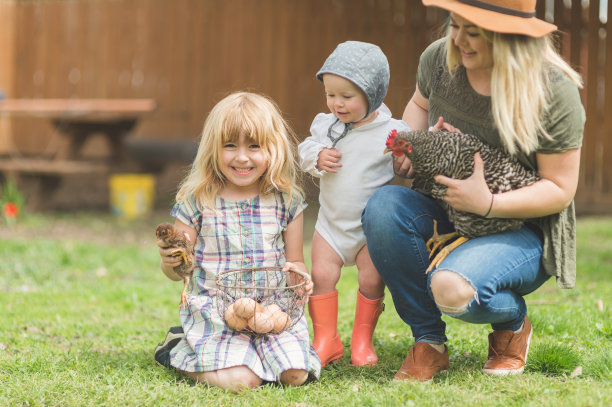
[83, 304]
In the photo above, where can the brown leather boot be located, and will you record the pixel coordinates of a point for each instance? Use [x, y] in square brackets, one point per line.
[366, 317]
[323, 310]
[422, 363]
[508, 351]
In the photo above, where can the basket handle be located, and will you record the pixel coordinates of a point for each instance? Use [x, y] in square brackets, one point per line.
[305, 276]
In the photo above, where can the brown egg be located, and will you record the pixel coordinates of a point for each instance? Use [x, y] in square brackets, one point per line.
[234, 321]
[246, 307]
[261, 323]
[272, 309]
[281, 321]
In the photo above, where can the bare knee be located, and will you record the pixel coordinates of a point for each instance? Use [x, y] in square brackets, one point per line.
[239, 378]
[294, 377]
[326, 266]
[370, 282]
[234, 379]
[452, 293]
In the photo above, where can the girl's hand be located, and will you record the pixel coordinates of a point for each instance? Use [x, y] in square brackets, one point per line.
[167, 260]
[328, 160]
[308, 286]
[441, 125]
[471, 194]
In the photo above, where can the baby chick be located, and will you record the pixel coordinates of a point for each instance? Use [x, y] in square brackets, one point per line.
[169, 237]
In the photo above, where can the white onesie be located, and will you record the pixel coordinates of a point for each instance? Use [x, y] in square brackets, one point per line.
[365, 168]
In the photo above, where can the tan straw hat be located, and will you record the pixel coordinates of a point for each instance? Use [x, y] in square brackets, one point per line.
[502, 16]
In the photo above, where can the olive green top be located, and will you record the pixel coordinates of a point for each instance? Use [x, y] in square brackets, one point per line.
[453, 98]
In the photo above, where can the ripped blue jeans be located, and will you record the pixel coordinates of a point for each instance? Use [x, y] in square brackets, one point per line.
[501, 268]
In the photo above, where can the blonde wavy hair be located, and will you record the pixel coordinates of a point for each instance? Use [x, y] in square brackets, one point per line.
[258, 117]
[520, 84]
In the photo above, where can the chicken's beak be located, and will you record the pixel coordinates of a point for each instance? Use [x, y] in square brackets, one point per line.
[387, 150]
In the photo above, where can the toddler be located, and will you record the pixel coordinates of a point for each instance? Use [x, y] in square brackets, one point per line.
[346, 151]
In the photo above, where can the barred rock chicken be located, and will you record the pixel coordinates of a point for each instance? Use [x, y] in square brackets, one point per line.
[168, 236]
[452, 155]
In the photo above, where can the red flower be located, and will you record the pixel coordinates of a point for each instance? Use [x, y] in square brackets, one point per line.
[10, 210]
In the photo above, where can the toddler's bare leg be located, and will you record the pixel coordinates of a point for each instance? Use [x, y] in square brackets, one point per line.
[369, 306]
[323, 304]
[371, 284]
[326, 265]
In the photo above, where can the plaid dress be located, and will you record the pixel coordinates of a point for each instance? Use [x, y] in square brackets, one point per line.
[238, 234]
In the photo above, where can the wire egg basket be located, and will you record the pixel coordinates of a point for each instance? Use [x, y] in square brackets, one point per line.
[265, 286]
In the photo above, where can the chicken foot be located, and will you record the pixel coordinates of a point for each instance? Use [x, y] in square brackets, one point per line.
[183, 303]
[436, 241]
[181, 253]
[445, 252]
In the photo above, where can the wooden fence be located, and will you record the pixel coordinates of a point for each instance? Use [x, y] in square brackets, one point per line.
[187, 54]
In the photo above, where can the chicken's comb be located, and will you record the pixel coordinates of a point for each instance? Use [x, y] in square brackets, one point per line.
[393, 146]
[391, 138]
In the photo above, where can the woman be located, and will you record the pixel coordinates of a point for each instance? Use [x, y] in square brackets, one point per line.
[496, 75]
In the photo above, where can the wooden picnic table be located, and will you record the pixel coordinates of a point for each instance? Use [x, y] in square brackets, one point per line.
[76, 120]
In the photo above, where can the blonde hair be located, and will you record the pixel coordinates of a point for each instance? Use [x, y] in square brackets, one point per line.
[258, 117]
[520, 85]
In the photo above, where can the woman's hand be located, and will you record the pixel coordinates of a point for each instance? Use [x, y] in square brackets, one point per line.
[471, 194]
[441, 125]
[328, 160]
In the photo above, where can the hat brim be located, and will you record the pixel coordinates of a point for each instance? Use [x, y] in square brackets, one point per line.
[494, 21]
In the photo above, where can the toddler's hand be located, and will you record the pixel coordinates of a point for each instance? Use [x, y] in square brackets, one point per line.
[402, 166]
[328, 160]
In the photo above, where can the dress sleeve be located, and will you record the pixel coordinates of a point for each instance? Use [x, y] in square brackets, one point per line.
[310, 148]
[295, 207]
[187, 212]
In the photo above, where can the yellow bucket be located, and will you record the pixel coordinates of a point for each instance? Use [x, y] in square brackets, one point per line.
[131, 195]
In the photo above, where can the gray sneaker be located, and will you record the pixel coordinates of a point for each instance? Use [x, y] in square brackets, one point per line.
[162, 351]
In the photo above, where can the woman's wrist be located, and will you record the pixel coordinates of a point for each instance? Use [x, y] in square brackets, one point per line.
[486, 215]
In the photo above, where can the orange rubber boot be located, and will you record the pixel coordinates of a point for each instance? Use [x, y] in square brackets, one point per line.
[323, 310]
[366, 317]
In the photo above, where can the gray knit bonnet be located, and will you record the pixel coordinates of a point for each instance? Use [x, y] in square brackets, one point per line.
[363, 64]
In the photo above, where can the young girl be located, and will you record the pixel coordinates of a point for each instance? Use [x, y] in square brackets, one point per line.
[241, 206]
[344, 152]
